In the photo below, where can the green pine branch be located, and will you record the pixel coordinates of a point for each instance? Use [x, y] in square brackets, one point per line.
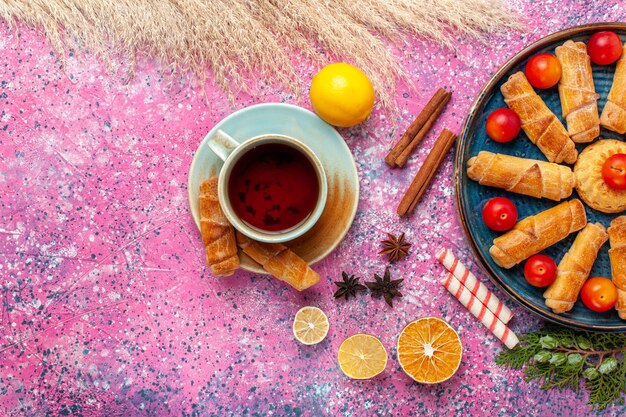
[608, 389]
[559, 358]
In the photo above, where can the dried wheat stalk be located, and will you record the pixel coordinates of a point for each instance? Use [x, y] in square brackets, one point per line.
[236, 38]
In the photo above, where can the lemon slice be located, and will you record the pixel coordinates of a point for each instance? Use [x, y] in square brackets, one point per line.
[310, 325]
[362, 356]
[429, 350]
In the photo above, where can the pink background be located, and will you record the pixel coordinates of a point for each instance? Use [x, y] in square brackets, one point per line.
[107, 307]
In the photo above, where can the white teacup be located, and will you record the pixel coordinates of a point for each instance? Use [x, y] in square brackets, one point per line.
[260, 214]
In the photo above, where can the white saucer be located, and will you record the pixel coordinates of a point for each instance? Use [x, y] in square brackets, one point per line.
[324, 141]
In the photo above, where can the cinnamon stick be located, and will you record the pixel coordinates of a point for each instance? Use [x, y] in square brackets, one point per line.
[426, 172]
[415, 127]
[406, 153]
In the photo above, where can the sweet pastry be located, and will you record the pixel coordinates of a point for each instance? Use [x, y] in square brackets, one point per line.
[617, 255]
[614, 113]
[218, 235]
[535, 233]
[589, 181]
[574, 268]
[520, 175]
[542, 126]
[280, 261]
[579, 101]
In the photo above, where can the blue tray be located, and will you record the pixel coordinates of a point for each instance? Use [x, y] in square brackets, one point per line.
[471, 196]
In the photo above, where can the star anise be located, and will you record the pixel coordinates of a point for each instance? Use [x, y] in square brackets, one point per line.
[348, 287]
[385, 287]
[395, 247]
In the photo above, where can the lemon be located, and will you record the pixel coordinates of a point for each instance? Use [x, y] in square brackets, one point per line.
[362, 356]
[342, 95]
[310, 326]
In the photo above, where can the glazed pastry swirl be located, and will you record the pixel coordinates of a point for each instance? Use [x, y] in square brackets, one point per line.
[617, 255]
[522, 176]
[280, 261]
[579, 100]
[541, 126]
[535, 233]
[574, 268]
[614, 113]
[218, 235]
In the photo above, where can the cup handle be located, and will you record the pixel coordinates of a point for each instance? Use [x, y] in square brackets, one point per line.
[222, 144]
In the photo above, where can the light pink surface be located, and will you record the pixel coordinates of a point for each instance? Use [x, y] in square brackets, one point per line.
[107, 307]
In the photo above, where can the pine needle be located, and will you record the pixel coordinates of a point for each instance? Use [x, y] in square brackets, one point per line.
[559, 358]
[238, 40]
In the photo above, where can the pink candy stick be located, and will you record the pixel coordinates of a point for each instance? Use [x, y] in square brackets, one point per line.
[480, 311]
[467, 279]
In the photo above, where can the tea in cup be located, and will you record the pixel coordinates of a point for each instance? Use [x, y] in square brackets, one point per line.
[272, 188]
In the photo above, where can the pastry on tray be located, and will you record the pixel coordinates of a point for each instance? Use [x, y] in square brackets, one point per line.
[617, 255]
[614, 113]
[520, 175]
[535, 233]
[218, 235]
[589, 181]
[579, 100]
[574, 268]
[280, 261]
[541, 126]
